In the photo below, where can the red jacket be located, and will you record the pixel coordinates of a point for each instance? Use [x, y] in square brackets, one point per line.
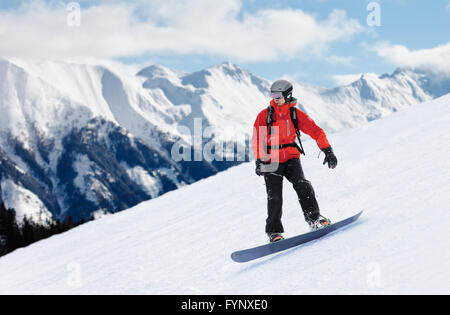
[284, 134]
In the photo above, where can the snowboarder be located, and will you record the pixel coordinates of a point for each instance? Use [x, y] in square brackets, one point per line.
[273, 143]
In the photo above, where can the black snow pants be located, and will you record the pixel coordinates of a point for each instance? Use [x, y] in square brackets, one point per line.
[293, 171]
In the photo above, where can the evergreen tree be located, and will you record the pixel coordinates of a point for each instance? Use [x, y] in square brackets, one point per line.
[27, 232]
[3, 229]
[10, 229]
[13, 236]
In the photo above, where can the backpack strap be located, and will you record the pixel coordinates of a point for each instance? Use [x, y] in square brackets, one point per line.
[269, 123]
[297, 130]
[270, 111]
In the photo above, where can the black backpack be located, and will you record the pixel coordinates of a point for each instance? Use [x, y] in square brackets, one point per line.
[270, 120]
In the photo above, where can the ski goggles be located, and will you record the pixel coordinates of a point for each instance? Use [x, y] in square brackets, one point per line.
[276, 95]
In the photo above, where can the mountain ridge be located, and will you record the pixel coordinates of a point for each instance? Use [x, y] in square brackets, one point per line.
[47, 105]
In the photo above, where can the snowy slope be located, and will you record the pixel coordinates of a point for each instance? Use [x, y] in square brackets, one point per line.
[395, 168]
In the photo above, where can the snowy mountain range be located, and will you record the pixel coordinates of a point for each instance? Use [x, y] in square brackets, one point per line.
[395, 169]
[86, 140]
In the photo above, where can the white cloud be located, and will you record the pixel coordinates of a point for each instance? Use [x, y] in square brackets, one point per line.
[114, 29]
[447, 7]
[345, 61]
[435, 59]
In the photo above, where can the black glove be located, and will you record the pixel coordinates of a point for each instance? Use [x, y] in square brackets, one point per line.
[258, 163]
[330, 158]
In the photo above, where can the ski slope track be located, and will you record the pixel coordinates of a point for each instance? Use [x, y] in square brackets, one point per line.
[397, 169]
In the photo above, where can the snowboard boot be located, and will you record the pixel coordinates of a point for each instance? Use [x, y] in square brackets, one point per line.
[320, 223]
[275, 237]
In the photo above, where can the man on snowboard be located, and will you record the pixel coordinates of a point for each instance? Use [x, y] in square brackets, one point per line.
[278, 155]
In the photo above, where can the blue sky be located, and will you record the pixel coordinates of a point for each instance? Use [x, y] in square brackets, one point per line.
[321, 42]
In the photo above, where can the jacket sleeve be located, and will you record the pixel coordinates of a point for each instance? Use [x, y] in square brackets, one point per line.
[259, 138]
[308, 126]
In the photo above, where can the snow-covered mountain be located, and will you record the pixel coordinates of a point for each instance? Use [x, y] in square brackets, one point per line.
[370, 97]
[394, 168]
[89, 140]
[84, 139]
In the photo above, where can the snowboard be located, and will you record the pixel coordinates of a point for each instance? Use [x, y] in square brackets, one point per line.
[271, 248]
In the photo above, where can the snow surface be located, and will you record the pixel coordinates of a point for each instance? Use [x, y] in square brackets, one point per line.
[396, 169]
